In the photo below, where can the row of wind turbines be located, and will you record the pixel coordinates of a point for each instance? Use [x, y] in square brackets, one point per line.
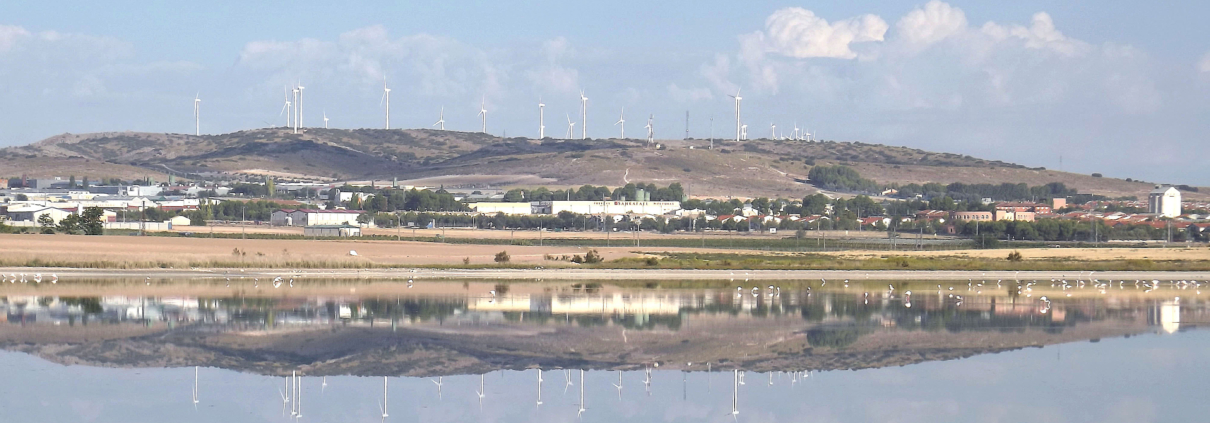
[293, 112]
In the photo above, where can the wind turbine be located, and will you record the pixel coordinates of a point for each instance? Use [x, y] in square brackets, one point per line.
[296, 104]
[735, 397]
[774, 131]
[541, 119]
[300, 103]
[650, 130]
[325, 119]
[583, 116]
[386, 98]
[197, 122]
[795, 135]
[483, 113]
[567, 378]
[285, 110]
[738, 99]
[441, 120]
[571, 128]
[622, 121]
[743, 132]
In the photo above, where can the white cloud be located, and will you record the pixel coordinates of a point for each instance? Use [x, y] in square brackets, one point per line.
[935, 22]
[10, 36]
[688, 95]
[1041, 34]
[1204, 64]
[797, 32]
[553, 75]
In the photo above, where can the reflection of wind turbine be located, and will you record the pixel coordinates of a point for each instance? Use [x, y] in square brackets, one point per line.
[647, 380]
[582, 409]
[383, 406]
[539, 389]
[480, 392]
[194, 388]
[324, 385]
[735, 397]
[567, 378]
[619, 385]
[439, 382]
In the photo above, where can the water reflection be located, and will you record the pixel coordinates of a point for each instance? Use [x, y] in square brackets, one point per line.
[496, 351]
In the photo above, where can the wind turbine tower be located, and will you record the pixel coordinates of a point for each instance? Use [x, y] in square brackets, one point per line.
[296, 105]
[738, 99]
[286, 110]
[386, 98]
[483, 113]
[441, 120]
[571, 128]
[583, 116]
[197, 122]
[300, 103]
[325, 119]
[541, 119]
[622, 121]
[650, 130]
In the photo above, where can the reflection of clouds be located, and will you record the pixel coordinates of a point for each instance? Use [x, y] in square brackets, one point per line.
[1131, 410]
[983, 373]
[893, 376]
[683, 411]
[904, 410]
[86, 410]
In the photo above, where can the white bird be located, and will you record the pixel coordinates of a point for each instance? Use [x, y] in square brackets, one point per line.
[37, 278]
[277, 282]
[148, 280]
[54, 278]
[353, 253]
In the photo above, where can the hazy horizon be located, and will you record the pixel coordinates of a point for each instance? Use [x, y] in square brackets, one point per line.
[1110, 87]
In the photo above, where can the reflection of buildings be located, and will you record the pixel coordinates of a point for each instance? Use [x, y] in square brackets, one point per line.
[615, 304]
[1167, 316]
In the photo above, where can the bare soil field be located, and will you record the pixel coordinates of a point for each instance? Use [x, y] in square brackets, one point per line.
[1073, 254]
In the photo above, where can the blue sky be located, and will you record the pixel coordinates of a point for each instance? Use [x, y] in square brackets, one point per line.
[1114, 87]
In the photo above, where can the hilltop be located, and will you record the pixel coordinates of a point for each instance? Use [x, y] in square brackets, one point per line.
[462, 159]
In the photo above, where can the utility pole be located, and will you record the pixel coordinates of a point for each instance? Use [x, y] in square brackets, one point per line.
[712, 132]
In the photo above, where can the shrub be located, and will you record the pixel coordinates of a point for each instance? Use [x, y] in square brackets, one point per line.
[1096, 175]
[593, 257]
[1014, 256]
[577, 259]
[466, 261]
[503, 257]
[652, 261]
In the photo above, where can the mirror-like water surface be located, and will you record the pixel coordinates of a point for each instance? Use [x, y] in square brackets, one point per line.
[448, 351]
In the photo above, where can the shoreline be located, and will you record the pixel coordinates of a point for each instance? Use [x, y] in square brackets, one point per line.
[563, 274]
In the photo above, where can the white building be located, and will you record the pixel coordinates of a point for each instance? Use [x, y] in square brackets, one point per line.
[1164, 202]
[308, 217]
[524, 208]
[332, 231]
[607, 207]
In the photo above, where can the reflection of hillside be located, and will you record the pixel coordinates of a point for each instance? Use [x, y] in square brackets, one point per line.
[437, 335]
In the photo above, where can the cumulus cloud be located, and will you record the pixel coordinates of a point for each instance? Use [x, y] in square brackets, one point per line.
[934, 22]
[797, 32]
[1041, 34]
[552, 75]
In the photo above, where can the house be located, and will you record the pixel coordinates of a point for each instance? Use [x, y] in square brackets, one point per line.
[1023, 207]
[491, 208]
[939, 216]
[179, 221]
[1164, 202]
[1013, 215]
[874, 220]
[32, 214]
[972, 216]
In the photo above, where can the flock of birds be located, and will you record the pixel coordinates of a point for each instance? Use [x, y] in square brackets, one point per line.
[37, 278]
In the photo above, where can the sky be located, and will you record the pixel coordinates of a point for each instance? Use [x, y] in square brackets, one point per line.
[1113, 87]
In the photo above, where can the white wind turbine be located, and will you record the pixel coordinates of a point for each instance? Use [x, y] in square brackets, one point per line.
[743, 133]
[541, 119]
[441, 120]
[539, 403]
[480, 392]
[197, 122]
[296, 104]
[735, 397]
[583, 116]
[738, 127]
[325, 119]
[386, 98]
[571, 128]
[285, 110]
[622, 121]
[619, 385]
[650, 130]
[796, 136]
[300, 103]
[483, 112]
[773, 135]
[439, 382]
[582, 409]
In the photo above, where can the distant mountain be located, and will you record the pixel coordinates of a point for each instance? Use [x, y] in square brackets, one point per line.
[750, 168]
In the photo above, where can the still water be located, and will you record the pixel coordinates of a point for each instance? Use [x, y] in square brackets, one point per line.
[564, 352]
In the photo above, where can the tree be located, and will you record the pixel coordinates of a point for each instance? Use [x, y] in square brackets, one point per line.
[69, 224]
[47, 223]
[90, 221]
[84, 184]
[71, 182]
[270, 188]
[22, 197]
[502, 257]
